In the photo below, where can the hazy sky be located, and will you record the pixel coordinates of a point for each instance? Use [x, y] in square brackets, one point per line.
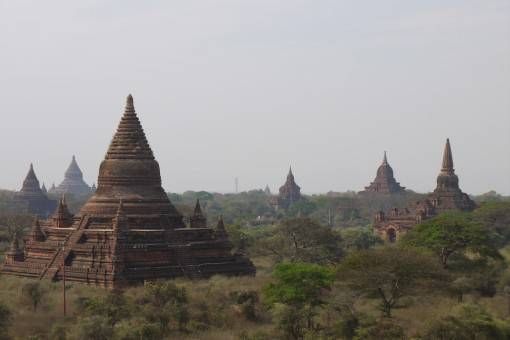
[245, 88]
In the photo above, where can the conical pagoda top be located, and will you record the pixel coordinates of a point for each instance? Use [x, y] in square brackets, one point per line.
[289, 192]
[129, 141]
[290, 175]
[73, 171]
[447, 165]
[448, 195]
[31, 183]
[73, 182]
[384, 181]
[198, 209]
[130, 172]
[447, 180]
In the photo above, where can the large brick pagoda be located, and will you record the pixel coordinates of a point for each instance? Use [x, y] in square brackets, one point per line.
[384, 182]
[446, 197]
[128, 231]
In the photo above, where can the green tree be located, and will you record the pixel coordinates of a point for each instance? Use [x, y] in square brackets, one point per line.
[299, 287]
[452, 233]
[359, 238]
[167, 302]
[112, 307]
[302, 240]
[495, 216]
[467, 322]
[389, 273]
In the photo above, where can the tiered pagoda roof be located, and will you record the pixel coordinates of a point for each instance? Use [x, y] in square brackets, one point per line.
[384, 181]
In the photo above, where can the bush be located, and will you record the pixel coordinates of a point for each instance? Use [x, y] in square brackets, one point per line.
[468, 321]
[92, 328]
[5, 321]
[381, 329]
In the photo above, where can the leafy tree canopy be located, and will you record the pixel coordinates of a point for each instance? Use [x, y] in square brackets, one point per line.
[389, 273]
[302, 240]
[298, 284]
[453, 233]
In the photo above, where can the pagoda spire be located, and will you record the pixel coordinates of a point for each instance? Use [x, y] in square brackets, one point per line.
[221, 231]
[385, 159]
[31, 183]
[62, 217]
[198, 219]
[447, 166]
[198, 209]
[129, 142]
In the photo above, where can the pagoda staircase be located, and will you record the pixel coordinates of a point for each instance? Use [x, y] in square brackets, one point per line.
[64, 250]
[186, 263]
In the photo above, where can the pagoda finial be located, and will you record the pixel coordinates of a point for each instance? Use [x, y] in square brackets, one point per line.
[385, 159]
[290, 175]
[198, 208]
[447, 165]
[129, 103]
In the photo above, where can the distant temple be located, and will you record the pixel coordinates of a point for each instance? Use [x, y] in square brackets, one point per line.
[128, 231]
[384, 182]
[73, 182]
[289, 193]
[33, 197]
[447, 196]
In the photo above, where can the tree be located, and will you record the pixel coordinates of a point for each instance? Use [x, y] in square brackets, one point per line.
[495, 216]
[452, 233]
[166, 302]
[389, 273]
[467, 321]
[359, 238]
[112, 307]
[298, 288]
[33, 293]
[302, 240]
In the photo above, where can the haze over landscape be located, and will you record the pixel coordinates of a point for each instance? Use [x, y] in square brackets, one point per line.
[229, 89]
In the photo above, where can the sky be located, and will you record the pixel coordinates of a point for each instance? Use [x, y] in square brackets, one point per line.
[231, 88]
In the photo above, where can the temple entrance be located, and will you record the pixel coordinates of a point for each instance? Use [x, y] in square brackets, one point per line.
[391, 235]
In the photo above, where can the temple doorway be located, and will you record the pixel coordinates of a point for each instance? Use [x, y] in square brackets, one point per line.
[391, 234]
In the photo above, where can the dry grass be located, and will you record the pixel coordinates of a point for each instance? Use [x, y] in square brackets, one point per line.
[212, 299]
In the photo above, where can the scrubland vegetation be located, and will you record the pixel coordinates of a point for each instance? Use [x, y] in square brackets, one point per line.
[317, 278]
